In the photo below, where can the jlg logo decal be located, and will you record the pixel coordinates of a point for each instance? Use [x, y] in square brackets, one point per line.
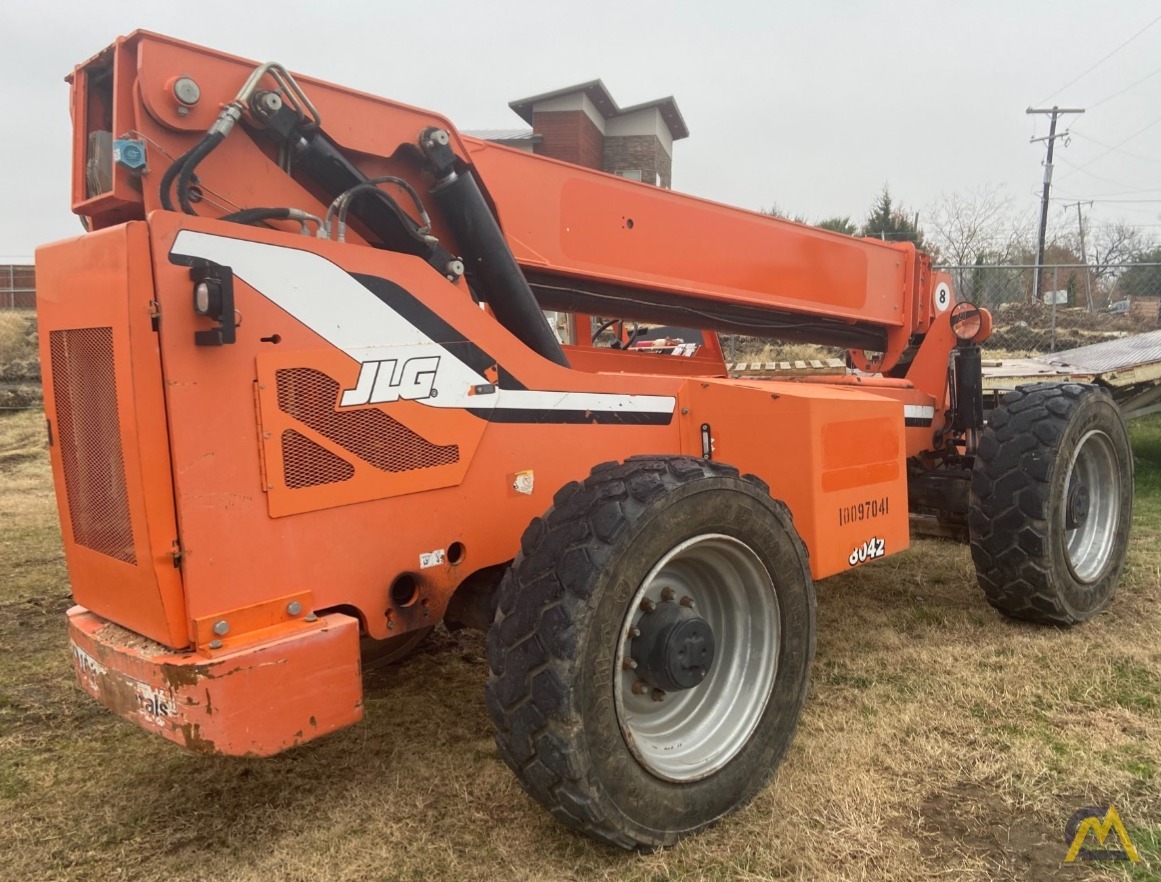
[392, 380]
[869, 550]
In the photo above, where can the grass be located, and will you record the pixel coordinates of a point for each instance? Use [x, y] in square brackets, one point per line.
[17, 341]
[940, 741]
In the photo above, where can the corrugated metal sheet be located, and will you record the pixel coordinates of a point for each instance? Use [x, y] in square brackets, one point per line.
[1115, 355]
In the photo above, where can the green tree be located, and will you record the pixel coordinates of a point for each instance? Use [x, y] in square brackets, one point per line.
[838, 224]
[888, 220]
[1143, 278]
[775, 211]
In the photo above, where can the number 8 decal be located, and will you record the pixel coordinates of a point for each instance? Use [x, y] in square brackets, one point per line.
[942, 297]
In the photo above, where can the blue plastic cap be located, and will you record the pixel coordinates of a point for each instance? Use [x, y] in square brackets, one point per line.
[129, 153]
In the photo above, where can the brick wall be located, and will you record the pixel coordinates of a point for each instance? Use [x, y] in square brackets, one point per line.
[17, 286]
[569, 135]
[644, 152]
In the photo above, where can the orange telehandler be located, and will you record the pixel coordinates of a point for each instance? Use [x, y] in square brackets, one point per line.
[302, 397]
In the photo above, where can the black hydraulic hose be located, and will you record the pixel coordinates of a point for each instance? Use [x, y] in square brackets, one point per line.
[489, 260]
[200, 151]
[250, 215]
[170, 176]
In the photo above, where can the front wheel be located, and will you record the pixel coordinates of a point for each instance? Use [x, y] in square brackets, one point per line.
[651, 648]
[1052, 503]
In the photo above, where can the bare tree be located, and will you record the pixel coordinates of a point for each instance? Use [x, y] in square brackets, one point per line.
[979, 228]
[981, 223]
[1112, 244]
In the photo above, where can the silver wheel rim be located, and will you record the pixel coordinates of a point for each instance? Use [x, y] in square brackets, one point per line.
[692, 733]
[1089, 546]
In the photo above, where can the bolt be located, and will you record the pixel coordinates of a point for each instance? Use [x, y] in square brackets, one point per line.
[294, 607]
[640, 687]
[215, 644]
[667, 594]
[629, 664]
[221, 627]
[187, 91]
[687, 601]
[634, 632]
[684, 411]
[648, 605]
[182, 110]
[657, 695]
[311, 617]
[390, 625]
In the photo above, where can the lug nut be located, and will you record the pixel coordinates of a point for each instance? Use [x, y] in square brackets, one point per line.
[648, 605]
[687, 601]
[657, 695]
[634, 632]
[629, 664]
[667, 594]
[640, 687]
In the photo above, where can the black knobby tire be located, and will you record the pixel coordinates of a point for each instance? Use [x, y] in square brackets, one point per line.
[1034, 559]
[553, 648]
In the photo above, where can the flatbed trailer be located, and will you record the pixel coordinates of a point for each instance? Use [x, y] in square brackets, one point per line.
[1130, 368]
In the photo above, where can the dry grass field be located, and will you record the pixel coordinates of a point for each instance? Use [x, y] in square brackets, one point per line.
[940, 741]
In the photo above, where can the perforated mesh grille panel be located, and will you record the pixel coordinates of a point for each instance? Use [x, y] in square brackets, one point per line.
[305, 464]
[309, 396]
[89, 437]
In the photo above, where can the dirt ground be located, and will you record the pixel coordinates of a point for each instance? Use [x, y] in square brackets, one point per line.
[940, 741]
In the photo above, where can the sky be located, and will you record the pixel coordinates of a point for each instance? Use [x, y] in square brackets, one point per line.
[812, 107]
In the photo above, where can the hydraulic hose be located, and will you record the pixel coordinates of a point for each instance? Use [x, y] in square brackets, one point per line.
[170, 176]
[254, 215]
[200, 151]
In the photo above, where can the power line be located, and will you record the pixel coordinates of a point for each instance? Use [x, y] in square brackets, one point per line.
[1121, 143]
[1102, 61]
[1077, 134]
[1094, 175]
[1124, 90]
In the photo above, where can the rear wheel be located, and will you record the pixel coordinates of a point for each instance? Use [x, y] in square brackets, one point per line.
[375, 654]
[1052, 503]
[651, 647]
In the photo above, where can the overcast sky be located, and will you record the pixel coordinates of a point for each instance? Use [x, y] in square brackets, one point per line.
[810, 106]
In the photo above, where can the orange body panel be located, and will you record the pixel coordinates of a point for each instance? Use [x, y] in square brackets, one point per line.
[110, 443]
[835, 456]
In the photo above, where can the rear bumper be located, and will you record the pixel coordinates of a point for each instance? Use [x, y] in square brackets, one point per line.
[254, 700]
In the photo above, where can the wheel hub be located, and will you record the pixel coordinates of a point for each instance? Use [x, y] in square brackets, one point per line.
[1077, 505]
[674, 649]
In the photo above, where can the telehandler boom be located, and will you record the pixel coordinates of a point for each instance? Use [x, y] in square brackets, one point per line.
[303, 399]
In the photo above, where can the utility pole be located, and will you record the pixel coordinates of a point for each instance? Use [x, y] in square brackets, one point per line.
[1055, 113]
[1083, 257]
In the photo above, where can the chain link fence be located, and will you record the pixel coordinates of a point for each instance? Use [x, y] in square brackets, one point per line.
[1077, 305]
